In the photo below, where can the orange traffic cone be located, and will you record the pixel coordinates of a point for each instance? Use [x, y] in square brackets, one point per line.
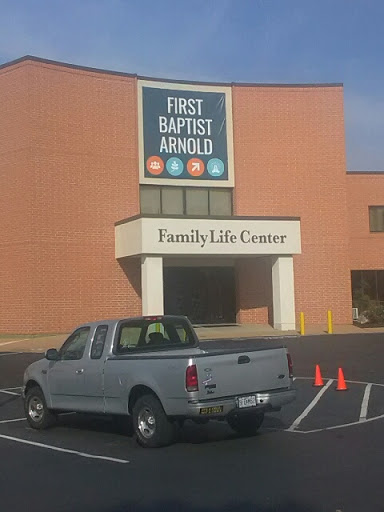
[318, 378]
[341, 385]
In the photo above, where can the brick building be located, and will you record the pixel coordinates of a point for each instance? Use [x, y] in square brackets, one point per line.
[92, 227]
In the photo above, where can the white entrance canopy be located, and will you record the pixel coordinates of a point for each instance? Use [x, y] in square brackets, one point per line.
[191, 236]
[152, 238]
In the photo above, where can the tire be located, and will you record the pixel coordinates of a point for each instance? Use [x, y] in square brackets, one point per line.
[37, 413]
[152, 427]
[246, 423]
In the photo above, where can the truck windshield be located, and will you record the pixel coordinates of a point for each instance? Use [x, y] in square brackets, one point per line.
[156, 334]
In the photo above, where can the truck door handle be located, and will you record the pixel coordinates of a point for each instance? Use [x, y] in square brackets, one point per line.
[243, 360]
[80, 371]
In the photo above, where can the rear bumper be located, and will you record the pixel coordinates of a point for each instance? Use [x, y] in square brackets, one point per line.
[267, 401]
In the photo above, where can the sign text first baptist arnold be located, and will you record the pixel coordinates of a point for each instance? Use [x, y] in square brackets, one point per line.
[218, 236]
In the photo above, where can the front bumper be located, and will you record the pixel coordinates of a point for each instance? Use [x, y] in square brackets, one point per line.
[222, 407]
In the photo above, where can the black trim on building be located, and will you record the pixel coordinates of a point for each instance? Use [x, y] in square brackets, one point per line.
[33, 58]
[202, 217]
[366, 173]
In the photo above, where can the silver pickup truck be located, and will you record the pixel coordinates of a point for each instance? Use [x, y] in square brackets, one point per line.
[155, 370]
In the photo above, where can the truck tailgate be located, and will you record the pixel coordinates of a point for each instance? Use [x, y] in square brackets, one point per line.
[238, 373]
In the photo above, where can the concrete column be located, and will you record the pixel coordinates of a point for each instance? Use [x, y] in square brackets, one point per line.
[152, 294]
[283, 293]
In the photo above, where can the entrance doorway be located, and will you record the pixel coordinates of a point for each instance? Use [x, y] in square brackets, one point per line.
[206, 295]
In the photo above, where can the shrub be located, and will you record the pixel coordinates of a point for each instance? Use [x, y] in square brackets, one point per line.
[361, 300]
[375, 314]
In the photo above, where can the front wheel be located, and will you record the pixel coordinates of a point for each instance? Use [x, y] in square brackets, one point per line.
[38, 415]
[246, 423]
[152, 426]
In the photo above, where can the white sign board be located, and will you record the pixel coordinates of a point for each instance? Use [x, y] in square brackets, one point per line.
[234, 237]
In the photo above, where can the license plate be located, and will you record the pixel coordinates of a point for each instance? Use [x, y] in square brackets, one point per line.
[212, 410]
[246, 401]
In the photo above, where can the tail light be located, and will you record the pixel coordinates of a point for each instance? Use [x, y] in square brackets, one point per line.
[290, 365]
[191, 380]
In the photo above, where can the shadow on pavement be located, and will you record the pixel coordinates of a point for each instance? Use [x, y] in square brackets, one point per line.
[173, 506]
[8, 400]
[190, 433]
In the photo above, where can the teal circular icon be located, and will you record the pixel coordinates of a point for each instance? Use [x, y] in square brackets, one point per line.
[175, 166]
[215, 167]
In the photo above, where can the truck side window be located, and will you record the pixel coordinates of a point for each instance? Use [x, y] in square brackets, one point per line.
[153, 334]
[74, 347]
[128, 338]
[99, 341]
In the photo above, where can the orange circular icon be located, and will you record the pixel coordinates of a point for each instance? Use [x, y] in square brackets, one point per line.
[195, 167]
[155, 165]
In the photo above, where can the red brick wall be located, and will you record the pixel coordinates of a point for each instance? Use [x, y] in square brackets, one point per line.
[77, 176]
[69, 171]
[366, 249]
[15, 200]
[290, 161]
[254, 290]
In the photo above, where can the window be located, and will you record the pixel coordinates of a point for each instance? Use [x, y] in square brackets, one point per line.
[153, 334]
[196, 202]
[150, 201]
[220, 202]
[99, 341]
[185, 201]
[367, 285]
[129, 337]
[172, 201]
[156, 333]
[376, 219]
[380, 286]
[74, 347]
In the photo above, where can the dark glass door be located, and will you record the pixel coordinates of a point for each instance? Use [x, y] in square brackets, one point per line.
[206, 295]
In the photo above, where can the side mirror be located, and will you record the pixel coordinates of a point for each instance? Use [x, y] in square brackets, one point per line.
[52, 354]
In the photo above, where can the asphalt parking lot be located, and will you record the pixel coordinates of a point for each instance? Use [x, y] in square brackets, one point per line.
[324, 452]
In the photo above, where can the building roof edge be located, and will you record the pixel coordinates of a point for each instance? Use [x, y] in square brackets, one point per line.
[41, 60]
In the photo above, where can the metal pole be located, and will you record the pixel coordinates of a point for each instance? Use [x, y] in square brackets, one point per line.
[302, 324]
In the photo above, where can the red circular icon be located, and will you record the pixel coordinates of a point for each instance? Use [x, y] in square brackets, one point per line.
[195, 167]
[155, 165]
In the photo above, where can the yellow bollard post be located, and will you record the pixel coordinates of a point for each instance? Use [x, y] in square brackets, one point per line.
[330, 326]
[302, 325]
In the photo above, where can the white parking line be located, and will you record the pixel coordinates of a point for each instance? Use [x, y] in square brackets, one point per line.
[364, 405]
[14, 341]
[363, 411]
[306, 411]
[11, 421]
[347, 381]
[9, 392]
[25, 419]
[334, 427]
[64, 450]
[10, 354]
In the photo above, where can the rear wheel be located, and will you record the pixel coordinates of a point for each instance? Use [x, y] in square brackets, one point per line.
[246, 423]
[38, 415]
[152, 426]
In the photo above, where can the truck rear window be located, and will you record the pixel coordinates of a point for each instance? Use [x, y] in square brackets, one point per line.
[156, 334]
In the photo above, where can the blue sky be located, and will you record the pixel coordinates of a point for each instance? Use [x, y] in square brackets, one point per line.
[287, 41]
